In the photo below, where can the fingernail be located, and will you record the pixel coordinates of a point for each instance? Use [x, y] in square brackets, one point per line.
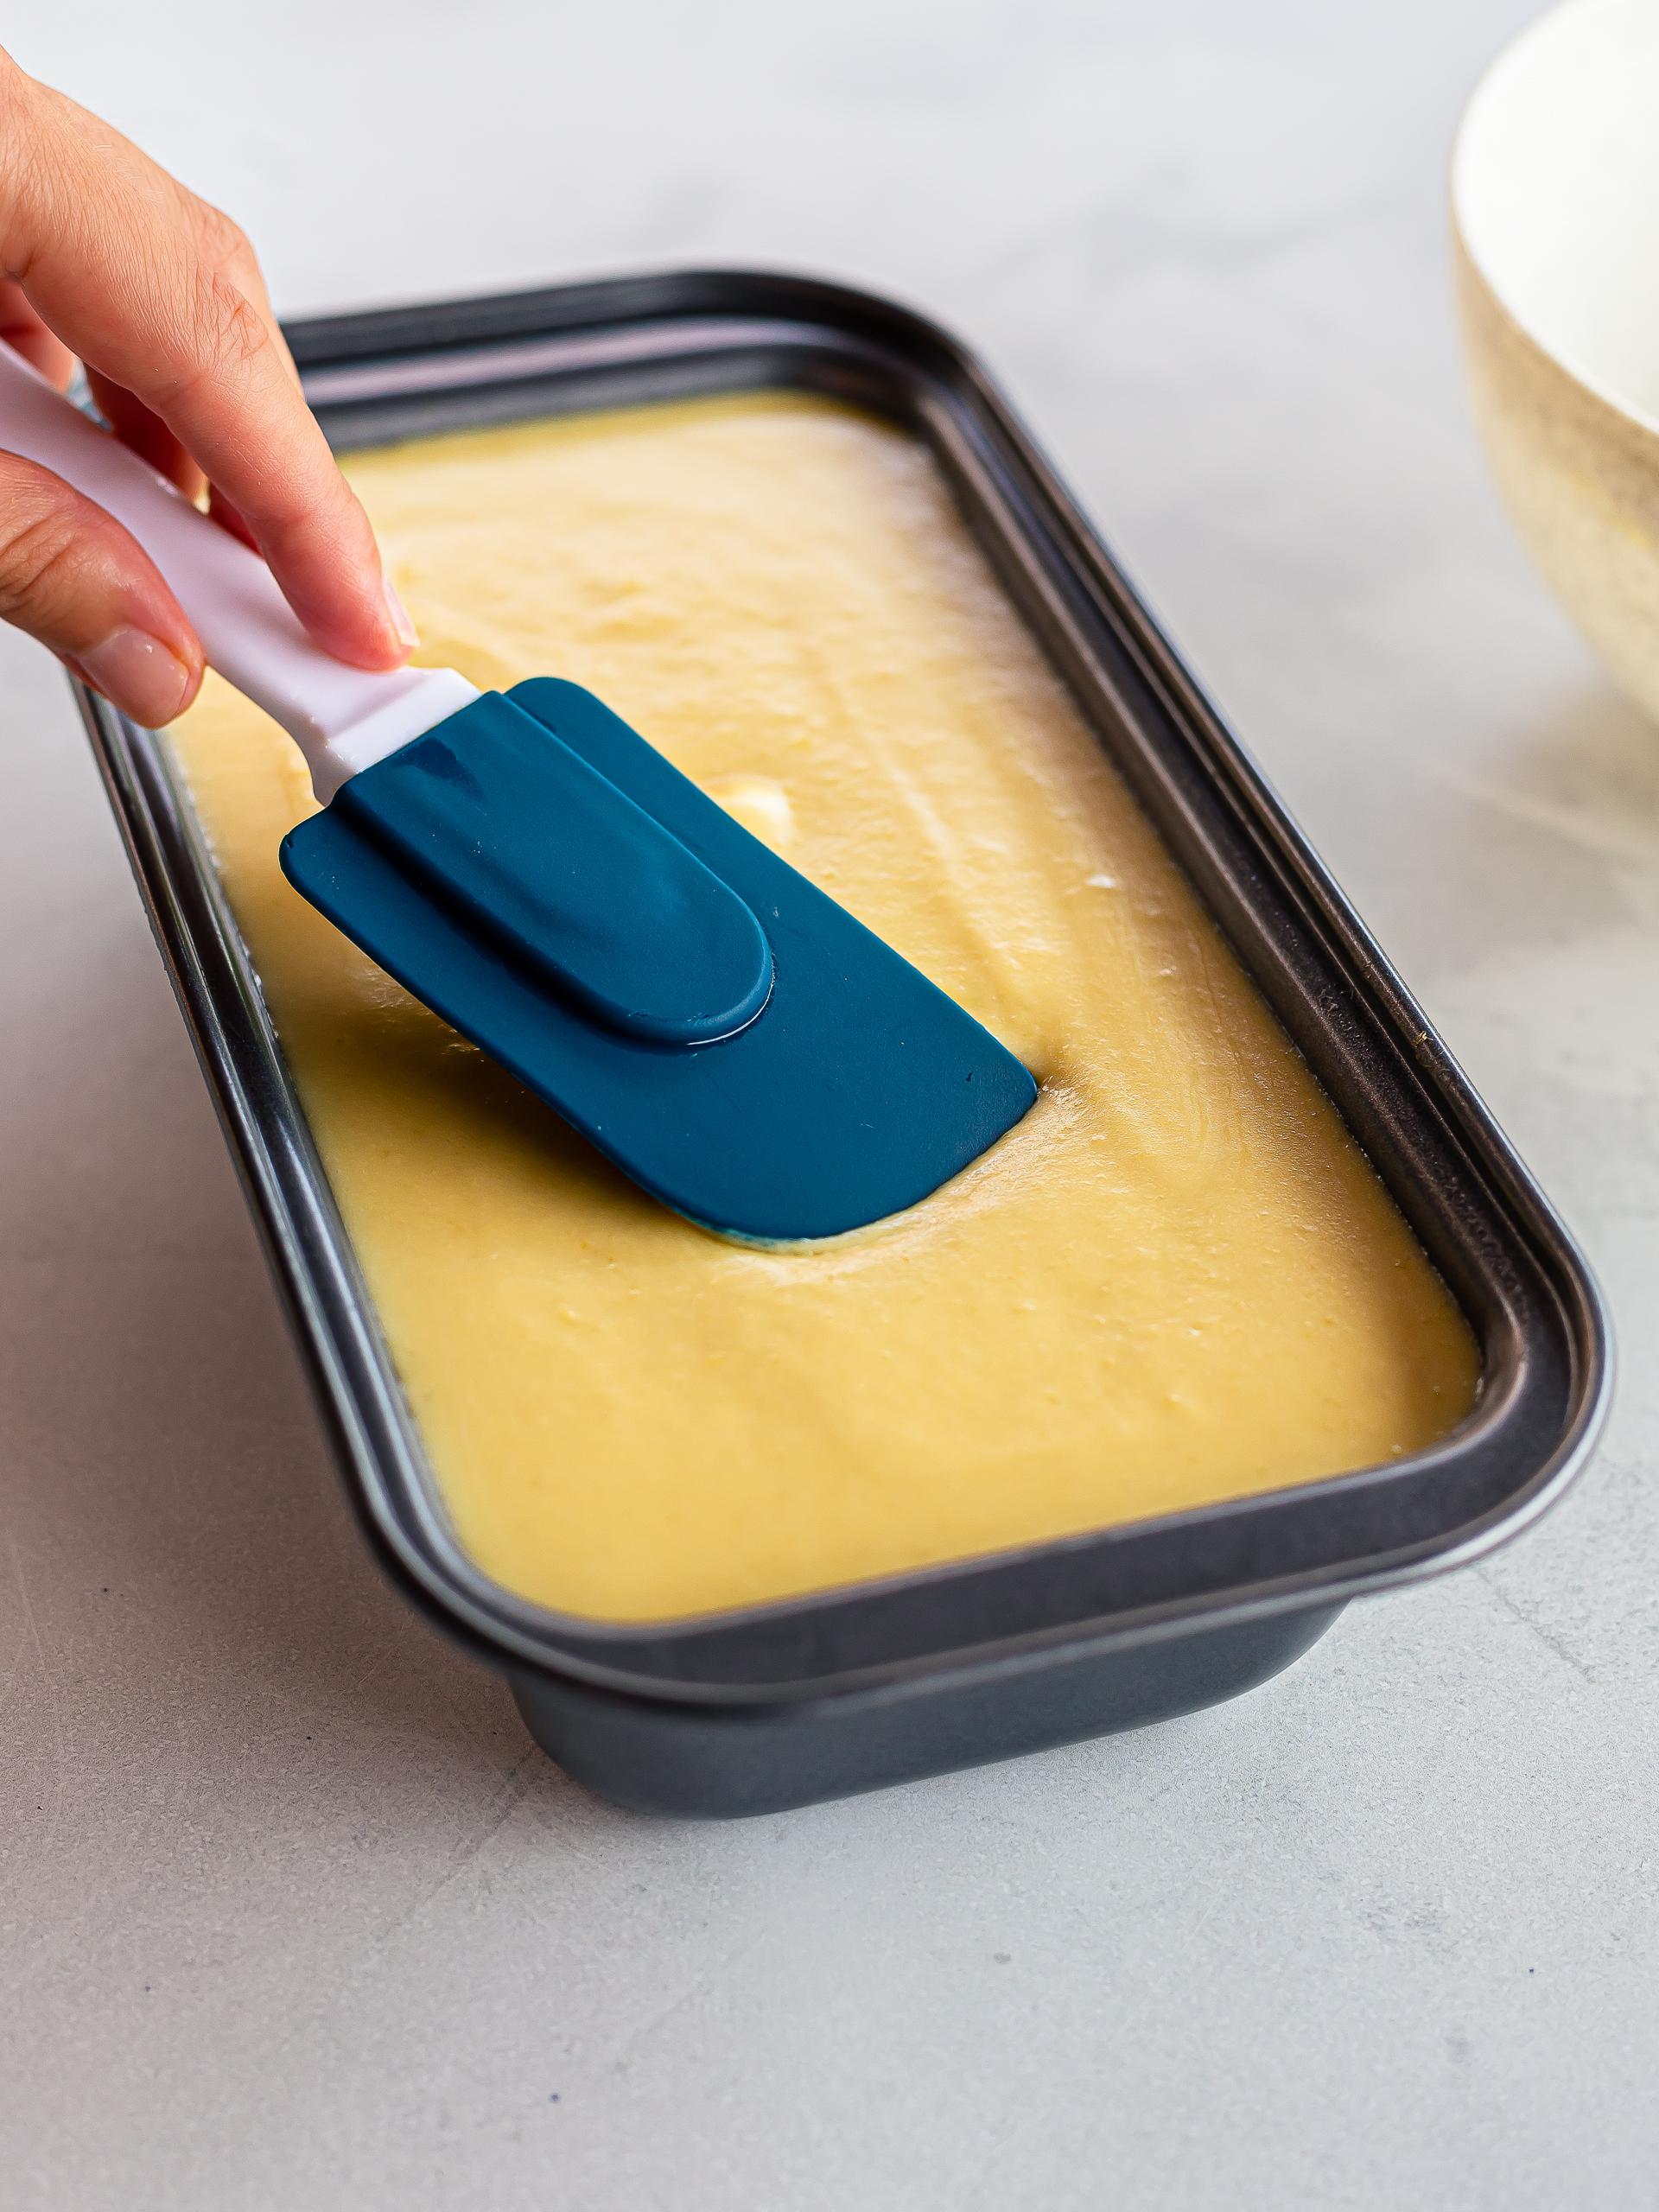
[407, 633]
[138, 673]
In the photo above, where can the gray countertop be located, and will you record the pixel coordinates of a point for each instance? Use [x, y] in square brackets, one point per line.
[290, 1912]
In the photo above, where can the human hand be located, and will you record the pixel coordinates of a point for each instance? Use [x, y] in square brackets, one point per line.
[105, 256]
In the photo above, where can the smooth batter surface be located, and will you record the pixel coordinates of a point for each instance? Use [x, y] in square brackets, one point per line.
[1176, 1280]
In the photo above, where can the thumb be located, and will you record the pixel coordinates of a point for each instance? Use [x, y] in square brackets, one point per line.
[72, 577]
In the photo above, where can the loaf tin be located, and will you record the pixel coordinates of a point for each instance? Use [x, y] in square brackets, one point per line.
[855, 1688]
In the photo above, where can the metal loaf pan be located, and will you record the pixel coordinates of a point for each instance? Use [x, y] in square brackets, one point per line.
[879, 1683]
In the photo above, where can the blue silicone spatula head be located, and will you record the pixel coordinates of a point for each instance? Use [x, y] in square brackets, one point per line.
[738, 1044]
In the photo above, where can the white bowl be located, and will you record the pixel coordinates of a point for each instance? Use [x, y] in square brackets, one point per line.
[1555, 210]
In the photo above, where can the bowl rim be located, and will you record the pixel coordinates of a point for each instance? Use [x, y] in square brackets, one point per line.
[1490, 88]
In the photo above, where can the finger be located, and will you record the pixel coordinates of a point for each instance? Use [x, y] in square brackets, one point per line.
[20, 327]
[227, 517]
[149, 436]
[181, 323]
[72, 577]
[146, 433]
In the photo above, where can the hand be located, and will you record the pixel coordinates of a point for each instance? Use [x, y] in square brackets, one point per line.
[105, 256]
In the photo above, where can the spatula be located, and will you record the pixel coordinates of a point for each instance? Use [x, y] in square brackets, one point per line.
[532, 870]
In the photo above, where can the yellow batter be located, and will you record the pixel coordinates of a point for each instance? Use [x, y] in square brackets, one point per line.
[1176, 1280]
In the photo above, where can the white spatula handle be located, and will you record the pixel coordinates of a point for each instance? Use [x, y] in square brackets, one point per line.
[341, 718]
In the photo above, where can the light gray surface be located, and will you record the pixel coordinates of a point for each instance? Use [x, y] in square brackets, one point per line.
[292, 1914]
